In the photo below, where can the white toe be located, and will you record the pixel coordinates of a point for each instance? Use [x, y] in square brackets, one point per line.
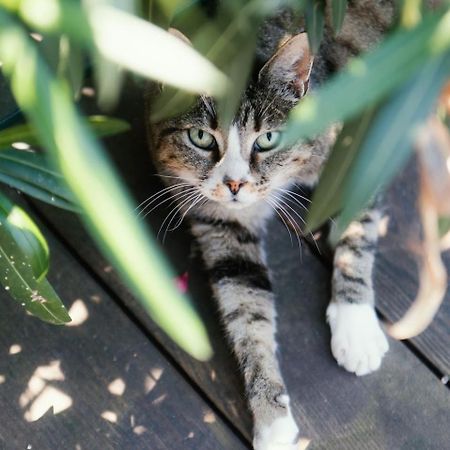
[357, 341]
[281, 434]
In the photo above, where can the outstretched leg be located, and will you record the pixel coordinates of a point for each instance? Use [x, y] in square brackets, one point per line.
[357, 341]
[235, 260]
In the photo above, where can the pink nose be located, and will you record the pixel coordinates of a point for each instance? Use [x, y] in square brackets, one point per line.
[233, 185]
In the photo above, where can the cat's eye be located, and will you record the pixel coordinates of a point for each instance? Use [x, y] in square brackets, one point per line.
[201, 138]
[268, 141]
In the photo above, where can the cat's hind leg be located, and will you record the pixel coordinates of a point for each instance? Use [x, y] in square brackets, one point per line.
[357, 340]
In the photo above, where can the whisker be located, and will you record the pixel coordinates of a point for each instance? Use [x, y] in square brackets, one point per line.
[180, 220]
[297, 194]
[173, 212]
[170, 176]
[161, 192]
[294, 199]
[303, 221]
[293, 224]
[274, 207]
[172, 198]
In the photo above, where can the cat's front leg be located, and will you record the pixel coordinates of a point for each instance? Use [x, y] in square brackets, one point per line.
[357, 340]
[233, 256]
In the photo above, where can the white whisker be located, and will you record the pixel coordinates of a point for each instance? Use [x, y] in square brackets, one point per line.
[160, 193]
[172, 198]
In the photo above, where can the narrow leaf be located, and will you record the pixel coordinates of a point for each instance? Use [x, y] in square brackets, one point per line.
[31, 174]
[23, 252]
[142, 47]
[389, 141]
[338, 9]
[327, 198]
[315, 23]
[100, 125]
[27, 236]
[93, 180]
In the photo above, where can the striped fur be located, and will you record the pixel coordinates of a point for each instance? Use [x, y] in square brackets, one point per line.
[229, 226]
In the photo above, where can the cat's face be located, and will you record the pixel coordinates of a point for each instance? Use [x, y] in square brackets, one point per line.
[249, 161]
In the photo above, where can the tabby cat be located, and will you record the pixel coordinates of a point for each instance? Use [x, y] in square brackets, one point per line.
[228, 183]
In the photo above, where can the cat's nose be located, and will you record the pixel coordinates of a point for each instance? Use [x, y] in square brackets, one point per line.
[234, 185]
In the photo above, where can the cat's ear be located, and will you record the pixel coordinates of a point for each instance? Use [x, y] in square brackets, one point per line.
[290, 66]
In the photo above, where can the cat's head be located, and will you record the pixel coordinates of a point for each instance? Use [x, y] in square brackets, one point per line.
[249, 161]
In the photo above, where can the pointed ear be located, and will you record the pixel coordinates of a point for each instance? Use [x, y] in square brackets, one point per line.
[290, 67]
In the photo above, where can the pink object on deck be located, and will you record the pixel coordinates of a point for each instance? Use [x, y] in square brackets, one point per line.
[182, 282]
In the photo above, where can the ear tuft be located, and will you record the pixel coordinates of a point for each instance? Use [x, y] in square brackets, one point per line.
[290, 65]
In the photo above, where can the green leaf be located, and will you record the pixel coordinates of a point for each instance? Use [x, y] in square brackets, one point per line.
[71, 64]
[91, 177]
[327, 198]
[315, 23]
[338, 9]
[389, 141]
[27, 236]
[368, 79]
[444, 225]
[32, 174]
[101, 126]
[142, 47]
[23, 264]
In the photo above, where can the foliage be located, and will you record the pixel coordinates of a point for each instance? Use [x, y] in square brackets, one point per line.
[392, 90]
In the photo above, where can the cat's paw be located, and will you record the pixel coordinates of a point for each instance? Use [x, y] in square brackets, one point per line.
[281, 434]
[357, 340]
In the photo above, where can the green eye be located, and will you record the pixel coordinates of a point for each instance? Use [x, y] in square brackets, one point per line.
[201, 138]
[268, 141]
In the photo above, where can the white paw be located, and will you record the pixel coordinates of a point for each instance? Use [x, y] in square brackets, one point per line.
[281, 434]
[357, 341]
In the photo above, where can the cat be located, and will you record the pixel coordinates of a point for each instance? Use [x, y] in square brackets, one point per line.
[227, 181]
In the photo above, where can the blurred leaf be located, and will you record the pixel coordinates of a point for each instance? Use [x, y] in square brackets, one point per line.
[143, 47]
[92, 178]
[315, 22]
[101, 126]
[389, 141]
[32, 174]
[411, 13]
[23, 256]
[369, 78]
[444, 225]
[27, 236]
[51, 16]
[71, 64]
[327, 198]
[338, 9]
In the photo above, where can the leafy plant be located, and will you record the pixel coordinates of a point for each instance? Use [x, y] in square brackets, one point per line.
[392, 89]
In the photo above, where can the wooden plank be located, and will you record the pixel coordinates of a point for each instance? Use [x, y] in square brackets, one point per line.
[336, 409]
[401, 406]
[116, 389]
[396, 272]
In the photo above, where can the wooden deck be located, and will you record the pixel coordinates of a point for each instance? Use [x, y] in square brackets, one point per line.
[117, 382]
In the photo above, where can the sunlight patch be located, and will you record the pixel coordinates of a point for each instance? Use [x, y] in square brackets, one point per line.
[40, 396]
[78, 313]
[117, 386]
[14, 349]
[110, 416]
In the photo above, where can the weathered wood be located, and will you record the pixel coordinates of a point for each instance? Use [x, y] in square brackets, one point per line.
[401, 406]
[88, 366]
[337, 410]
[397, 266]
